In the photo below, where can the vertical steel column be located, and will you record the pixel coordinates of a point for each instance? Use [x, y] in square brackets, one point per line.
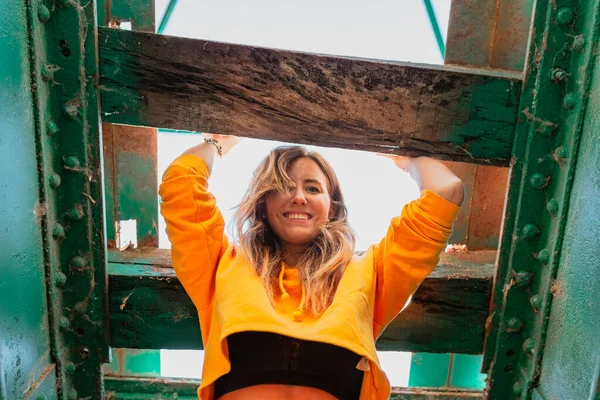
[64, 61]
[544, 158]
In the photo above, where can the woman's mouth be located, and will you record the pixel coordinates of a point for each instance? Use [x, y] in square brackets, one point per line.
[297, 216]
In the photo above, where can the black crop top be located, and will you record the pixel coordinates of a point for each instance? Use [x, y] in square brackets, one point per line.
[268, 358]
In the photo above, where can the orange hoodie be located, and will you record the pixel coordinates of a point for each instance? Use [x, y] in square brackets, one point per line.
[230, 297]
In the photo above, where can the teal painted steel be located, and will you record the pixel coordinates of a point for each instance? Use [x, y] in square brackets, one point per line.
[24, 334]
[547, 144]
[167, 16]
[139, 12]
[64, 65]
[435, 27]
[429, 370]
[571, 362]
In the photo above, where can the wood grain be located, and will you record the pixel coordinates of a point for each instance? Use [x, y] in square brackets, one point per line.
[454, 113]
[149, 308]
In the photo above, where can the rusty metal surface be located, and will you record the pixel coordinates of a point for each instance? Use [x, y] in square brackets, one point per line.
[487, 207]
[489, 33]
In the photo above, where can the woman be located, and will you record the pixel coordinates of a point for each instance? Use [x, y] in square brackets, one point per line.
[287, 311]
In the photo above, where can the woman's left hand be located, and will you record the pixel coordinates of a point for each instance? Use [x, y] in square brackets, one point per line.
[431, 174]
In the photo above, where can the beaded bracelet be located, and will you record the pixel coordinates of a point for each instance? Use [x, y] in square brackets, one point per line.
[216, 144]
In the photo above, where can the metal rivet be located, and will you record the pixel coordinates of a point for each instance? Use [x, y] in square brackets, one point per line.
[565, 16]
[517, 388]
[43, 13]
[544, 256]
[78, 262]
[558, 75]
[514, 325]
[76, 213]
[71, 110]
[72, 162]
[561, 154]
[578, 43]
[530, 230]
[536, 302]
[54, 180]
[70, 368]
[63, 323]
[46, 72]
[528, 346]
[523, 279]
[552, 206]
[51, 127]
[571, 101]
[60, 279]
[538, 181]
[58, 231]
[80, 308]
[72, 394]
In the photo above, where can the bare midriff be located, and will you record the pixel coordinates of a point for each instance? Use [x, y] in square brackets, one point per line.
[278, 392]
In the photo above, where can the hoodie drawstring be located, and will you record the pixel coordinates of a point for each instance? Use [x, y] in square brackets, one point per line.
[285, 295]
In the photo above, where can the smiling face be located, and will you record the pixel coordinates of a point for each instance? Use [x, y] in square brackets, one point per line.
[295, 216]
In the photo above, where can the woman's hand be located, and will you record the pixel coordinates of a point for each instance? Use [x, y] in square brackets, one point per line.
[207, 151]
[430, 174]
[227, 142]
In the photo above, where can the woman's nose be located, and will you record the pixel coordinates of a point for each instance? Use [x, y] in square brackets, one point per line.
[298, 197]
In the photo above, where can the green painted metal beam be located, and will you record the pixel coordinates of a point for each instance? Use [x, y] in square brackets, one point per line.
[435, 27]
[140, 13]
[178, 83]
[167, 16]
[547, 146]
[149, 308]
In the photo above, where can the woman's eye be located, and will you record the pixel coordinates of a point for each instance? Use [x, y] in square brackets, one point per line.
[313, 189]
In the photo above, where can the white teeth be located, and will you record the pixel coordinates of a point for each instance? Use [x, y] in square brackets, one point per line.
[297, 216]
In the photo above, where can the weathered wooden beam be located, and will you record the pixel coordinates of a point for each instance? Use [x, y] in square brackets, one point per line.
[453, 113]
[149, 308]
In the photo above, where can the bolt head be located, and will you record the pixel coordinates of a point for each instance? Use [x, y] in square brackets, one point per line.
[561, 154]
[46, 73]
[517, 388]
[58, 232]
[565, 16]
[538, 181]
[523, 279]
[43, 13]
[63, 323]
[552, 207]
[514, 325]
[558, 75]
[60, 279]
[54, 180]
[70, 368]
[536, 302]
[72, 395]
[528, 346]
[544, 256]
[530, 230]
[72, 162]
[571, 101]
[78, 262]
[51, 128]
[76, 213]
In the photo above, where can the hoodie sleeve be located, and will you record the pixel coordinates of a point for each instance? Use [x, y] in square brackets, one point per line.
[195, 228]
[409, 252]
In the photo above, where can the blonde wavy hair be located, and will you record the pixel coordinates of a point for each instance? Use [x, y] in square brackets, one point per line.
[322, 265]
